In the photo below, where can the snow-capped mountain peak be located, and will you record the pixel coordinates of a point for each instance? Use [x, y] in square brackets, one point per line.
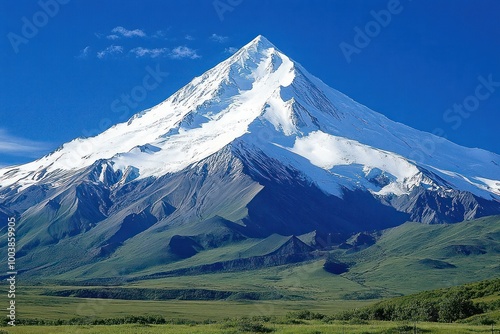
[261, 98]
[255, 147]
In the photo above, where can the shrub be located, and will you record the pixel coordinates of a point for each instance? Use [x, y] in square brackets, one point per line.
[254, 327]
[305, 315]
[456, 306]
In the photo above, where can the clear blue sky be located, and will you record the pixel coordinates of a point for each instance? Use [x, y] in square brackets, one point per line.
[60, 82]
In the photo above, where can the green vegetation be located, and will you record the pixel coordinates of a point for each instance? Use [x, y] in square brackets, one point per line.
[147, 294]
[232, 326]
[476, 305]
[481, 300]
[34, 304]
[415, 257]
[410, 258]
[293, 298]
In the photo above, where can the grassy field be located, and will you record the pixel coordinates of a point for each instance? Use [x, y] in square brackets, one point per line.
[266, 316]
[407, 259]
[46, 307]
[304, 286]
[231, 328]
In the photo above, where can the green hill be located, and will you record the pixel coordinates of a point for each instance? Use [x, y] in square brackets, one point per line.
[407, 259]
[414, 257]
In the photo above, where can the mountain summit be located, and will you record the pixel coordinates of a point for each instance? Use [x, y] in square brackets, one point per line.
[254, 146]
[261, 93]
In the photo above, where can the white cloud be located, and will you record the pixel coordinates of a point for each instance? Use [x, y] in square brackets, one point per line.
[160, 34]
[113, 37]
[218, 38]
[84, 54]
[189, 38]
[109, 51]
[231, 50]
[10, 144]
[144, 52]
[121, 31]
[183, 52]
